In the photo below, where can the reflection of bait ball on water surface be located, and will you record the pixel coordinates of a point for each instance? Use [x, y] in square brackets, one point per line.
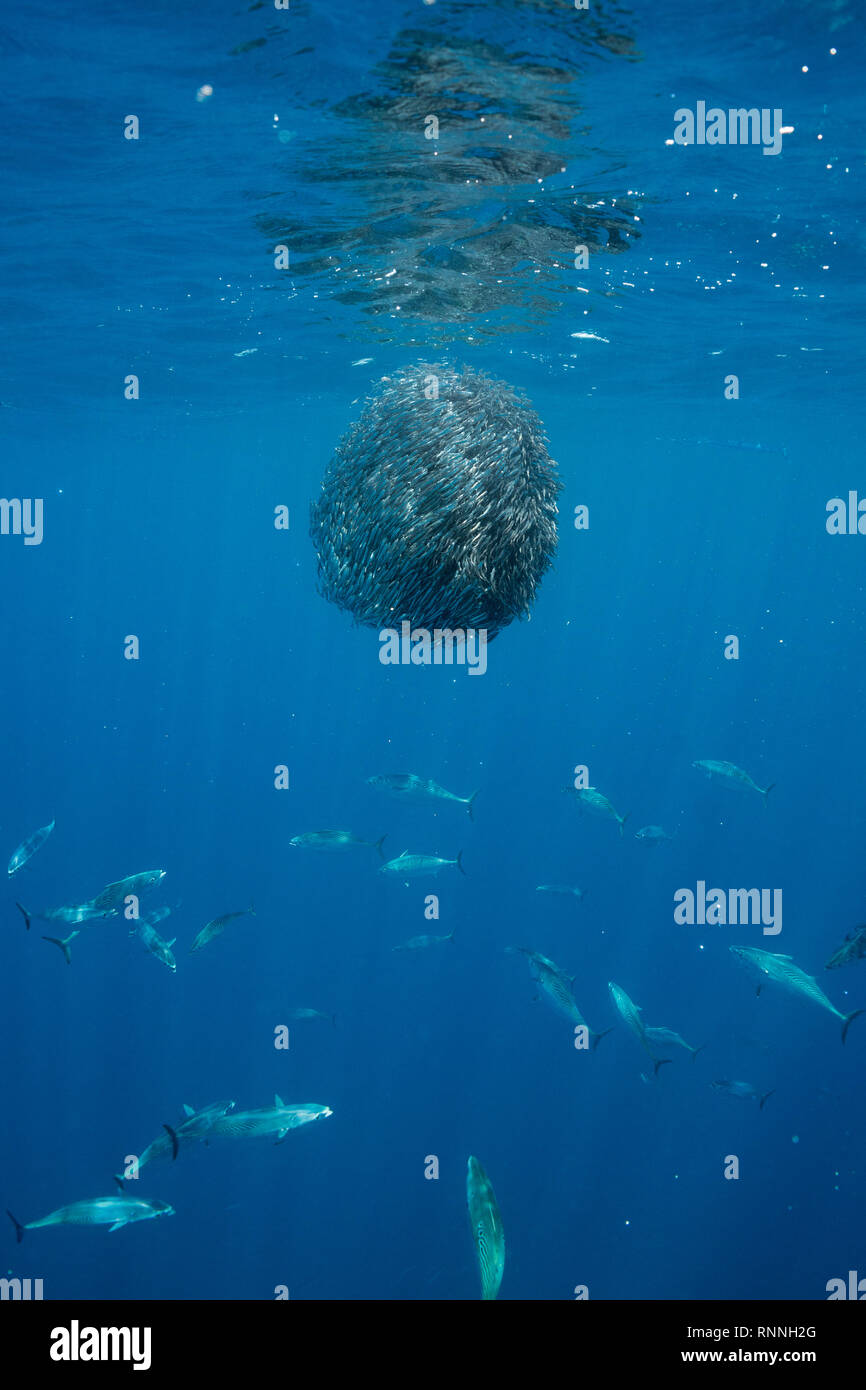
[439, 505]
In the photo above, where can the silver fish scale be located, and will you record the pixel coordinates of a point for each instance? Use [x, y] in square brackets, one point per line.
[442, 513]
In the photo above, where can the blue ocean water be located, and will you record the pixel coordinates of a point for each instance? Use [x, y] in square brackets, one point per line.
[154, 258]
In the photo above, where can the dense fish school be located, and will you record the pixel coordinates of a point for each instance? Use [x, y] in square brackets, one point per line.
[439, 506]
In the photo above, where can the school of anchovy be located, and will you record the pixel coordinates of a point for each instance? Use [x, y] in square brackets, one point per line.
[439, 506]
[223, 1120]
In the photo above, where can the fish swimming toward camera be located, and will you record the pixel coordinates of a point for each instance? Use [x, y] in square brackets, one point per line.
[145, 930]
[732, 776]
[405, 786]
[591, 799]
[487, 1229]
[852, 948]
[335, 840]
[216, 926]
[652, 835]
[408, 865]
[781, 970]
[744, 1089]
[563, 890]
[275, 1120]
[557, 987]
[28, 848]
[112, 1212]
[630, 1013]
[439, 505]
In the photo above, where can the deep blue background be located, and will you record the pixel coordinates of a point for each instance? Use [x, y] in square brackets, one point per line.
[146, 257]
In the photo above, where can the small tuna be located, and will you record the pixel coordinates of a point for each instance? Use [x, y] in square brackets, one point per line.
[69, 916]
[262, 1124]
[420, 865]
[196, 1125]
[557, 986]
[145, 930]
[733, 776]
[591, 799]
[330, 840]
[652, 835]
[743, 1089]
[781, 970]
[420, 943]
[113, 894]
[216, 926]
[407, 787]
[630, 1013]
[852, 948]
[487, 1230]
[113, 1212]
[666, 1035]
[28, 848]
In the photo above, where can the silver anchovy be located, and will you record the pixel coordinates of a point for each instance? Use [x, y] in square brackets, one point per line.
[113, 1212]
[334, 840]
[593, 800]
[420, 865]
[561, 888]
[733, 776]
[487, 1229]
[216, 926]
[744, 1089]
[630, 1013]
[407, 787]
[781, 970]
[28, 848]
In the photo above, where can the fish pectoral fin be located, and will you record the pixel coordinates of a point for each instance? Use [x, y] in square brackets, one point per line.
[117, 1225]
[280, 1137]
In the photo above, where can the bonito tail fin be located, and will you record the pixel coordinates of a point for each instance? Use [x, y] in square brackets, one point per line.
[849, 1019]
[597, 1037]
[64, 945]
[764, 1097]
[19, 1229]
[696, 1050]
[459, 862]
[622, 821]
[470, 802]
[378, 845]
[25, 914]
[766, 792]
[662, 1062]
[173, 1137]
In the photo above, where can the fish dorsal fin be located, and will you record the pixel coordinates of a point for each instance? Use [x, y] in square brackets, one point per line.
[188, 1110]
[278, 1103]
